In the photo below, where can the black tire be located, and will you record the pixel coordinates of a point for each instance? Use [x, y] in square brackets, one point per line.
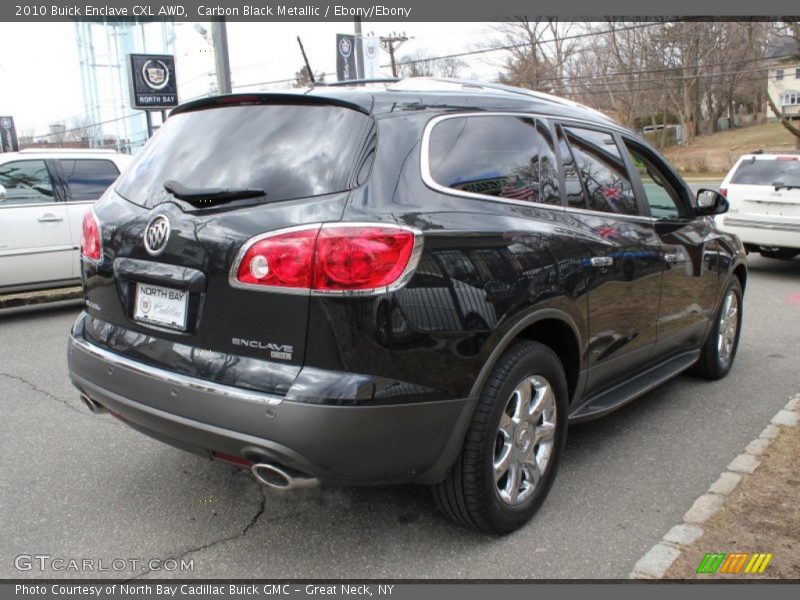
[711, 365]
[469, 494]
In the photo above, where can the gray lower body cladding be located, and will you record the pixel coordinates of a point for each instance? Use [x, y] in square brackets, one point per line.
[409, 442]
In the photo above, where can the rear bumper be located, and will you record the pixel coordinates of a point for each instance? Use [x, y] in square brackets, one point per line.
[338, 444]
[762, 232]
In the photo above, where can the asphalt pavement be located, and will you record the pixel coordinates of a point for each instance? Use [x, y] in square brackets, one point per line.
[78, 486]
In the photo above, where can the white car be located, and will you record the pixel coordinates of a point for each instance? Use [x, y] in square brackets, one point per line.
[44, 194]
[763, 191]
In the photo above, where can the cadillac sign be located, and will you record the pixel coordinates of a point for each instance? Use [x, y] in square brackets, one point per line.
[152, 81]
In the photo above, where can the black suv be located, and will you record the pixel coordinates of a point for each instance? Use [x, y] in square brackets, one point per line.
[423, 281]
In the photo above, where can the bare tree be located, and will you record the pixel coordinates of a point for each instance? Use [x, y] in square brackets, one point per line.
[539, 52]
[303, 79]
[421, 64]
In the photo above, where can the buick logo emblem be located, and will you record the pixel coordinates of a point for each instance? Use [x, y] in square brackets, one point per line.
[156, 235]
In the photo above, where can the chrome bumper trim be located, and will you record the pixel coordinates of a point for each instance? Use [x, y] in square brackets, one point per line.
[170, 378]
[761, 225]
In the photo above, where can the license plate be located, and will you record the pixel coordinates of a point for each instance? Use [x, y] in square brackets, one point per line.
[156, 305]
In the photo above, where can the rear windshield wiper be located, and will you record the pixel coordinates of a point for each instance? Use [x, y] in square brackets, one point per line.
[778, 185]
[210, 196]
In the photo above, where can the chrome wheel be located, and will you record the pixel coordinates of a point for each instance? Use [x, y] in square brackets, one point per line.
[524, 442]
[728, 328]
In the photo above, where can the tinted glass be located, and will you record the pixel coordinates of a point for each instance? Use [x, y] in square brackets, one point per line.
[768, 171]
[87, 179]
[508, 157]
[288, 151]
[573, 188]
[600, 166]
[26, 182]
[663, 200]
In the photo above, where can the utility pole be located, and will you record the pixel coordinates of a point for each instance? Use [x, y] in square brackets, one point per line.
[388, 44]
[359, 49]
[219, 37]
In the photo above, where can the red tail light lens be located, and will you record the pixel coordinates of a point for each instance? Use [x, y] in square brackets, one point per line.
[330, 260]
[361, 258]
[724, 191]
[283, 260]
[90, 237]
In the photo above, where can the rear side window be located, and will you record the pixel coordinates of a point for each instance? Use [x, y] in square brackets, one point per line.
[768, 171]
[87, 179]
[599, 164]
[26, 182]
[504, 156]
[289, 151]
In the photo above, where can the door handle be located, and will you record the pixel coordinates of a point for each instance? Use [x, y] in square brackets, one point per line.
[602, 261]
[673, 257]
[50, 218]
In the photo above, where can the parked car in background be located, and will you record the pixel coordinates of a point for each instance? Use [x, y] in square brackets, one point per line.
[763, 191]
[419, 282]
[44, 194]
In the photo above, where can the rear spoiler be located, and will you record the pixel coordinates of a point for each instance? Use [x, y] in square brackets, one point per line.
[266, 98]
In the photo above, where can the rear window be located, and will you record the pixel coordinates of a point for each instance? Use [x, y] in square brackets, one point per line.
[768, 171]
[87, 179]
[289, 151]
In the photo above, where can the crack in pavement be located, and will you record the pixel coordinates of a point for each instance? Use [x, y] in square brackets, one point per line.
[253, 520]
[53, 397]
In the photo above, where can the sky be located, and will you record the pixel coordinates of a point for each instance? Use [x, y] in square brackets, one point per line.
[40, 74]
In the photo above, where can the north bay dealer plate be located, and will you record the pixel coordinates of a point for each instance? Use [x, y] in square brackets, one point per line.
[165, 307]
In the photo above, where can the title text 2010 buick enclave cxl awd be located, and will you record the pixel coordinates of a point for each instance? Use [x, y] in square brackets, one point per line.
[422, 281]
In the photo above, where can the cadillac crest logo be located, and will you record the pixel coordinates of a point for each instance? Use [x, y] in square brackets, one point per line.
[156, 235]
[155, 74]
[345, 47]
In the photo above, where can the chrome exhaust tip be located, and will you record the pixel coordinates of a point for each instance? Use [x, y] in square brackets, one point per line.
[94, 407]
[277, 478]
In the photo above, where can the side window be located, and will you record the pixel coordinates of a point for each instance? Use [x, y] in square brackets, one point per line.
[664, 201]
[503, 156]
[87, 179]
[26, 182]
[599, 164]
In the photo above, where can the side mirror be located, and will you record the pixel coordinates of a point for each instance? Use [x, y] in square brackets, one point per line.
[3, 194]
[710, 202]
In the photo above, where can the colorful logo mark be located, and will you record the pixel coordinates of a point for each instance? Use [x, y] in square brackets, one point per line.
[734, 563]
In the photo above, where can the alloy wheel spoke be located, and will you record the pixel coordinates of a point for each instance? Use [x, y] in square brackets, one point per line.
[544, 433]
[513, 481]
[502, 462]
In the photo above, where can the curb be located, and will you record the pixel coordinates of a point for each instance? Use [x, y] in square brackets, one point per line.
[660, 557]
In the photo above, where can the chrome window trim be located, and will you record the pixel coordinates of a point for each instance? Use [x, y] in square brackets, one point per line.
[427, 178]
[405, 276]
[170, 378]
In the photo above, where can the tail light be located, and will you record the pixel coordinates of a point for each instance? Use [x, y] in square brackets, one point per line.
[91, 247]
[329, 259]
[724, 191]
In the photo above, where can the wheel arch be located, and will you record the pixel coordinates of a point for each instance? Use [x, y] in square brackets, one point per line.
[551, 327]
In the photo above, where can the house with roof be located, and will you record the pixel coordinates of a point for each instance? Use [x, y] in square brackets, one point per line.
[783, 77]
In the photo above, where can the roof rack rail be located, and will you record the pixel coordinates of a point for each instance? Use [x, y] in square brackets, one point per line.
[357, 82]
[45, 150]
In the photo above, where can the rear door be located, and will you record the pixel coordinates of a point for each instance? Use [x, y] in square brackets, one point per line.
[621, 254]
[35, 242]
[689, 251]
[84, 180]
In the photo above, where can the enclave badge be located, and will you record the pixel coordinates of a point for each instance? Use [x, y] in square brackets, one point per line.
[156, 235]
